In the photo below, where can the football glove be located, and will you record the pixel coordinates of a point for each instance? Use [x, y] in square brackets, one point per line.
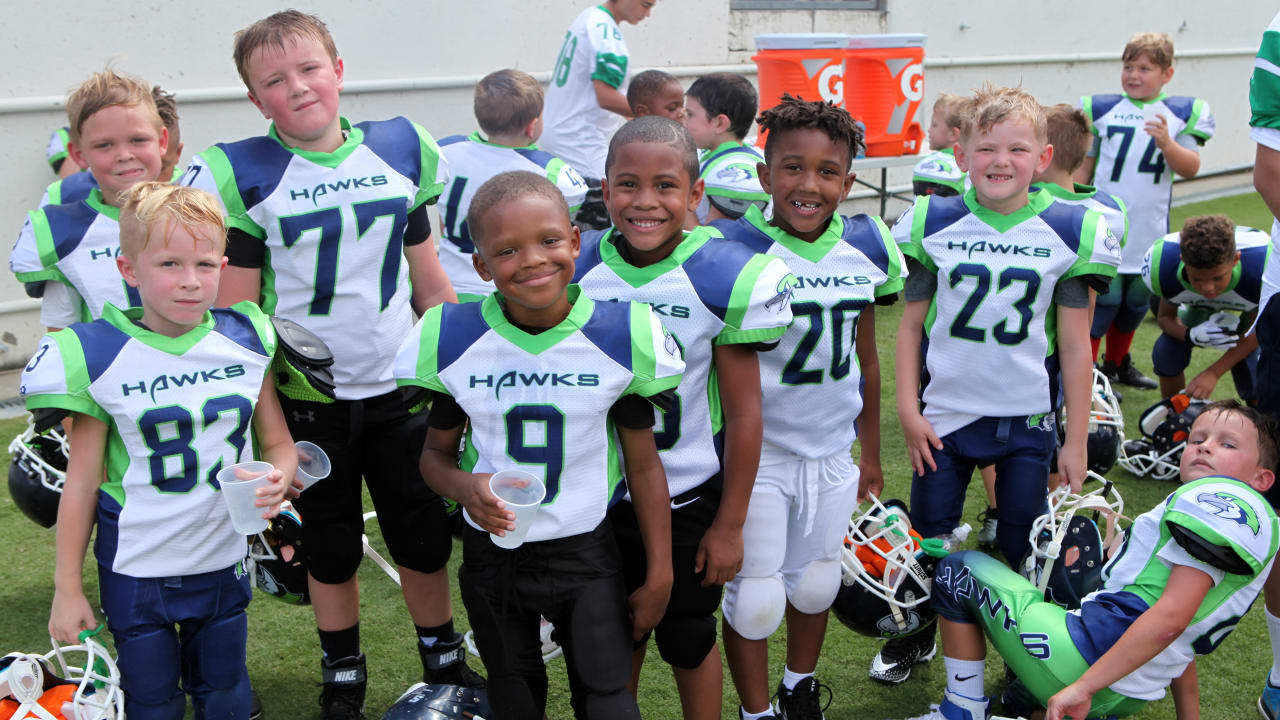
[1209, 334]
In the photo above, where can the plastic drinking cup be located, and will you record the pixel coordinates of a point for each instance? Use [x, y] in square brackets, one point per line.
[313, 463]
[523, 493]
[239, 484]
[1150, 112]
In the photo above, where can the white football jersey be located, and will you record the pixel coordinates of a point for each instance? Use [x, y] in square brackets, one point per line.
[708, 291]
[574, 126]
[179, 410]
[991, 324]
[75, 244]
[1132, 168]
[541, 402]
[1112, 208]
[811, 381]
[1223, 511]
[1164, 273]
[333, 225]
[472, 162]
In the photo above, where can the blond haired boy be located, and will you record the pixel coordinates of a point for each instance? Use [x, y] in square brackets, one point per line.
[508, 108]
[937, 172]
[170, 564]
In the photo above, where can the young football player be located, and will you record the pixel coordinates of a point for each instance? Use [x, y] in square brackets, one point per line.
[55, 152]
[719, 299]
[1264, 101]
[117, 133]
[508, 108]
[585, 100]
[654, 92]
[720, 109]
[486, 365]
[807, 484]
[163, 396]
[328, 227]
[937, 172]
[999, 281]
[1143, 137]
[1189, 569]
[1209, 270]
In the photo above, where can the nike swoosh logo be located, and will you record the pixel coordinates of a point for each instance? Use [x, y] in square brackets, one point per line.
[676, 506]
[966, 677]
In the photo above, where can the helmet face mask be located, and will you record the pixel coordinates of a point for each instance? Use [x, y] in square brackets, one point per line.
[275, 563]
[1068, 551]
[87, 667]
[37, 472]
[1106, 426]
[1165, 427]
[885, 575]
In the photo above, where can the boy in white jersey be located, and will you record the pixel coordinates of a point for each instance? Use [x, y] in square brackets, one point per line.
[807, 485]
[508, 108]
[719, 299]
[487, 365]
[654, 92]
[1208, 270]
[1000, 294]
[329, 229]
[117, 133]
[586, 98]
[1143, 138]
[721, 108]
[1189, 569]
[937, 172]
[146, 447]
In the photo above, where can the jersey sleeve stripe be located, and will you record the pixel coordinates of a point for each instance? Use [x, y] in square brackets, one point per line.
[1092, 223]
[1193, 123]
[229, 190]
[915, 247]
[740, 296]
[425, 367]
[741, 337]
[611, 69]
[1124, 212]
[434, 169]
[1156, 269]
[45, 246]
[644, 364]
[1264, 85]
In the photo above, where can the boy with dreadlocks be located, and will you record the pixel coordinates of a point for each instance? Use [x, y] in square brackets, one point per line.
[807, 486]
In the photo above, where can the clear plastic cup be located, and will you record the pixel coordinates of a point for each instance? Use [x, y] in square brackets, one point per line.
[313, 463]
[239, 484]
[523, 493]
[1151, 111]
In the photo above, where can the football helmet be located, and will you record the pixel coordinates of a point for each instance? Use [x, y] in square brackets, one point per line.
[55, 687]
[1106, 426]
[1068, 550]
[276, 563]
[38, 471]
[1165, 427]
[886, 573]
[440, 702]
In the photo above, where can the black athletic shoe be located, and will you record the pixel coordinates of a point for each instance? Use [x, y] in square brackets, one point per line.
[1128, 374]
[255, 705]
[445, 663]
[344, 684]
[892, 665]
[802, 703]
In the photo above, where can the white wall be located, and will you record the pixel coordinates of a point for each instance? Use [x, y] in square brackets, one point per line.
[430, 53]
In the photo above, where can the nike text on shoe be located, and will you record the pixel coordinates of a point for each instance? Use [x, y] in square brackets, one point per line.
[445, 663]
[344, 684]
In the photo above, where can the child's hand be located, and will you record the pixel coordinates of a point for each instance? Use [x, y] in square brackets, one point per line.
[1069, 701]
[648, 604]
[720, 552]
[69, 615]
[485, 509]
[294, 489]
[1158, 129]
[870, 479]
[1202, 385]
[1072, 461]
[920, 438]
[272, 494]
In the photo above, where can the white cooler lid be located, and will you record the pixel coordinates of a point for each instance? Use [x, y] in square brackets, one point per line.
[803, 41]
[890, 40]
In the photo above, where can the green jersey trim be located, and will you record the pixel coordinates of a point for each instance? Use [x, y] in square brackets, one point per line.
[1264, 85]
[428, 188]
[638, 277]
[331, 160]
[44, 248]
[914, 248]
[583, 307]
[1186, 285]
[475, 137]
[1088, 236]
[97, 202]
[1157, 256]
[739, 337]
[77, 375]
[426, 369]
[810, 251]
[117, 456]
[225, 174]
[1211, 535]
[894, 281]
[68, 402]
[1086, 106]
[1197, 109]
[644, 366]
[1001, 223]
[740, 295]
[611, 69]
[54, 191]
[1141, 103]
[126, 322]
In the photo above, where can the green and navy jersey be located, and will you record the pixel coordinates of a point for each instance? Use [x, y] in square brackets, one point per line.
[729, 173]
[1165, 274]
[574, 126]
[1264, 99]
[75, 244]
[541, 402]
[332, 226]
[178, 410]
[940, 168]
[708, 291]
[77, 187]
[1112, 208]
[811, 381]
[56, 151]
[1222, 511]
[473, 161]
[1131, 167]
[992, 323]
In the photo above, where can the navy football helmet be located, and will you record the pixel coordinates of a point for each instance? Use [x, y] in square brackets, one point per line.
[1068, 550]
[38, 471]
[440, 702]
[1165, 427]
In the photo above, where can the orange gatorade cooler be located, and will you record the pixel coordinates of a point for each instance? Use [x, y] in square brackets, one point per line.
[806, 65]
[883, 86]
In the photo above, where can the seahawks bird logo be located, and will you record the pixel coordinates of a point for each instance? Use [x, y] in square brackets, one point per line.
[1229, 507]
[785, 289]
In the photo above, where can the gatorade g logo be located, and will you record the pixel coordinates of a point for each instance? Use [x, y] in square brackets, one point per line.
[1229, 507]
[831, 83]
[912, 83]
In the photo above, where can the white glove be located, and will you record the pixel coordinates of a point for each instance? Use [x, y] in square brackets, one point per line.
[1209, 334]
[1228, 321]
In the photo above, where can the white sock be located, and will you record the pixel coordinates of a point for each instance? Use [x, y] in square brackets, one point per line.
[767, 712]
[791, 679]
[965, 677]
[1273, 630]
